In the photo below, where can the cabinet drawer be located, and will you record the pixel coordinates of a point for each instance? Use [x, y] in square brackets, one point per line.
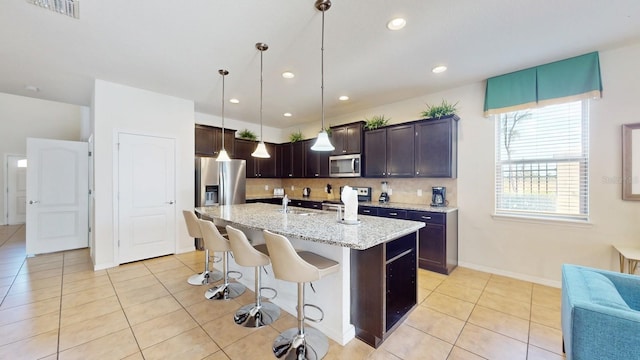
[392, 213]
[366, 210]
[427, 217]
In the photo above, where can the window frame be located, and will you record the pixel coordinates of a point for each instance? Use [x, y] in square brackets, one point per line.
[584, 165]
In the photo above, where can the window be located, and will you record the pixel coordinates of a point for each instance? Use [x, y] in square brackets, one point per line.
[542, 162]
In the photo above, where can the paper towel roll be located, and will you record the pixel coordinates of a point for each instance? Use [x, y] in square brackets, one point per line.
[350, 200]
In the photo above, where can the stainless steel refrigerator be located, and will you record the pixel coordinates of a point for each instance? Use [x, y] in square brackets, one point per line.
[219, 183]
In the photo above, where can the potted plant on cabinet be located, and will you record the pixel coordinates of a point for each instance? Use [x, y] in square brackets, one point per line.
[375, 122]
[439, 111]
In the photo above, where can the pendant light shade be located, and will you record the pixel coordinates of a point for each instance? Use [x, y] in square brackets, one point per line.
[261, 149]
[322, 142]
[223, 156]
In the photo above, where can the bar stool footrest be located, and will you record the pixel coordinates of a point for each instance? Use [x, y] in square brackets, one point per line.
[237, 275]
[275, 293]
[205, 278]
[316, 320]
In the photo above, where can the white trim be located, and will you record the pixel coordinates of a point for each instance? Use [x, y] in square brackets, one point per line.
[5, 189]
[104, 266]
[542, 220]
[524, 277]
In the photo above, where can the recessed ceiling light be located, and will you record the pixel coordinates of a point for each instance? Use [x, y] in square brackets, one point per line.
[287, 114]
[439, 69]
[343, 98]
[234, 101]
[288, 75]
[32, 88]
[396, 24]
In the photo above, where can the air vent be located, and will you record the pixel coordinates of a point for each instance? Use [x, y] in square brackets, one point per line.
[64, 7]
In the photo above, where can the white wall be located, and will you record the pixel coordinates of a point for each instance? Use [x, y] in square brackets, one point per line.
[22, 117]
[122, 108]
[270, 134]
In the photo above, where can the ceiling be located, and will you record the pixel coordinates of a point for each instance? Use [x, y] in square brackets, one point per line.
[176, 48]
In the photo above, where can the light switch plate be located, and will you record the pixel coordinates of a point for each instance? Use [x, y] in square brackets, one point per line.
[390, 191]
[419, 192]
[266, 188]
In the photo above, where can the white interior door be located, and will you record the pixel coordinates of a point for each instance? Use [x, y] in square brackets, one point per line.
[16, 189]
[146, 199]
[57, 195]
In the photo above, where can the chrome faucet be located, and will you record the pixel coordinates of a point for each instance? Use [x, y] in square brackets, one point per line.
[285, 204]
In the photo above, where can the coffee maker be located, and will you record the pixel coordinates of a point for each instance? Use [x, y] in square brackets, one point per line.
[438, 196]
[384, 196]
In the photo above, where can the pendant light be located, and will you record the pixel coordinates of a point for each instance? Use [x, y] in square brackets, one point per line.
[261, 149]
[223, 156]
[322, 142]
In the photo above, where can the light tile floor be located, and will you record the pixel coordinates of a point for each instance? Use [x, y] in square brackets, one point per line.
[55, 306]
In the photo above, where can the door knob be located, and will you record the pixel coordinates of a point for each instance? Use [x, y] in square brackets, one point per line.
[170, 202]
[31, 202]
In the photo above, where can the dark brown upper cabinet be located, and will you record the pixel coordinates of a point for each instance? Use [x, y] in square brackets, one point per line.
[347, 139]
[388, 152]
[436, 148]
[208, 140]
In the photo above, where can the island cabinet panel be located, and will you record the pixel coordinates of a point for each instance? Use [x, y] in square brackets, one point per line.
[379, 307]
[208, 140]
[375, 153]
[347, 139]
[438, 247]
[436, 148]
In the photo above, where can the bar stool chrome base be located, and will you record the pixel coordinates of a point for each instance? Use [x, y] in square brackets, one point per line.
[290, 345]
[255, 316]
[205, 278]
[225, 291]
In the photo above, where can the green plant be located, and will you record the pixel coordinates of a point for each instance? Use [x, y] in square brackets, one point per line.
[438, 111]
[328, 130]
[295, 136]
[247, 134]
[375, 122]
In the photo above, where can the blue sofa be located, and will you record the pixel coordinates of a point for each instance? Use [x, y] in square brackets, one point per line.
[600, 314]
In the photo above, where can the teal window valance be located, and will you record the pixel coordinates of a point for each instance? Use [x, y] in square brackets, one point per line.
[557, 82]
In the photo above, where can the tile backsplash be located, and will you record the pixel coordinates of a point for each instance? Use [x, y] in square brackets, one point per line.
[402, 190]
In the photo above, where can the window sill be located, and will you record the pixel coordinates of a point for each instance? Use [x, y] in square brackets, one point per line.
[542, 220]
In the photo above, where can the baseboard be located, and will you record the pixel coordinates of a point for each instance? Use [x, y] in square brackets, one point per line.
[97, 267]
[524, 277]
[185, 250]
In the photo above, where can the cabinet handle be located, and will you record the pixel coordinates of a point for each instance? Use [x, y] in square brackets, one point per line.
[366, 211]
[344, 151]
[427, 217]
[393, 214]
[417, 172]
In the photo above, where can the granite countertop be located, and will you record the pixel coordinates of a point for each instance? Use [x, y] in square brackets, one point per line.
[393, 205]
[313, 225]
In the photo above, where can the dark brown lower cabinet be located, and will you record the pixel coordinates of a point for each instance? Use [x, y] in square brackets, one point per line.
[384, 287]
[438, 250]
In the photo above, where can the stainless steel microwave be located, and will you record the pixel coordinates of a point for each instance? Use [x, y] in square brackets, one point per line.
[344, 165]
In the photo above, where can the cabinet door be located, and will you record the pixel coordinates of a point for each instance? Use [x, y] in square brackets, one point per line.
[297, 159]
[435, 153]
[316, 162]
[204, 140]
[287, 160]
[432, 249]
[375, 153]
[266, 168]
[400, 151]
[353, 143]
[338, 137]
[229, 142]
[243, 150]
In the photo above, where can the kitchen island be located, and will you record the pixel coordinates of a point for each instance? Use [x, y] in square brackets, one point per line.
[376, 286]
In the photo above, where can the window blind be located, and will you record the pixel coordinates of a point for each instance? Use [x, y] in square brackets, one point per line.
[542, 162]
[562, 81]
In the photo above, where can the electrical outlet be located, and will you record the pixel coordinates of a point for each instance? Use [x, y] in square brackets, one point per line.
[293, 187]
[266, 188]
[390, 192]
[419, 192]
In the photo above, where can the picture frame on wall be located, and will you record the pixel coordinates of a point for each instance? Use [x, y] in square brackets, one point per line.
[631, 162]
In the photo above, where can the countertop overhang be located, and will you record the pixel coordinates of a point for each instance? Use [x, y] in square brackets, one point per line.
[313, 225]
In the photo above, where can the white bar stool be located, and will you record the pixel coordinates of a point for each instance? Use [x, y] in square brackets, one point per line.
[216, 242]
[299, 267]
[259, 313]
[206, 277]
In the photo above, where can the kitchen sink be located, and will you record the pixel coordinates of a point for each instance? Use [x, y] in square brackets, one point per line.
[298, 212]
